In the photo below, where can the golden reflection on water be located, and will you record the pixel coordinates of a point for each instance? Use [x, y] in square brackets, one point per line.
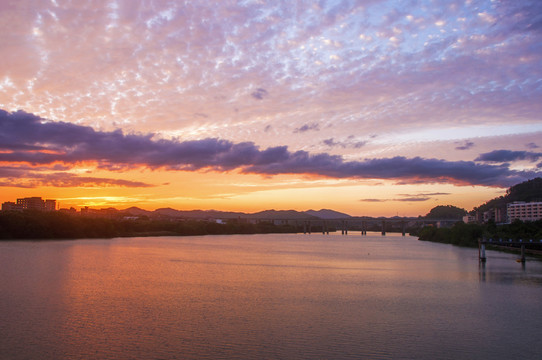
[272, 296]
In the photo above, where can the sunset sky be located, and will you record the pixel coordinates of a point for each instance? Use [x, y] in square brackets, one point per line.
[376, 108]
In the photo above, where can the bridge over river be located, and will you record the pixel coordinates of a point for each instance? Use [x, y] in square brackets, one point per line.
[361, 224]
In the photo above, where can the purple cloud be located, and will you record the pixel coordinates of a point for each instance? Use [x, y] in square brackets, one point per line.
[405, 199]
[344, 144]
[259, 94]
[408, 197]
[413, 199]
[466, 145]
[425, 194]
[475, 60]
[28, 177]
[26, 138]
[307, 127]
[501, 156]
[405, 170]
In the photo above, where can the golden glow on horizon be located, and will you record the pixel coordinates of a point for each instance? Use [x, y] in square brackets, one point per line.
[253, 193]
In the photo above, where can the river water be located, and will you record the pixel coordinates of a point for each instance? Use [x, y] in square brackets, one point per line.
[287, 296]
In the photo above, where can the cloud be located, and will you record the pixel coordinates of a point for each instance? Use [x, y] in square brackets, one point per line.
[527, 15]
[307, 127]
[27, 177]
[466, 145]
[501, 156]
[259, 94]
[408, 197]
[437, 194]
[413, 199]
[160, 65]
[425, 194]
[532, 146]
[330, 142]
[344, 144]
[404, 170]
[28, 139]
[180, 55]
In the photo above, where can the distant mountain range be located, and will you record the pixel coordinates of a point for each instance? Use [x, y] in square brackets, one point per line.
[530, 190]
[325, 214]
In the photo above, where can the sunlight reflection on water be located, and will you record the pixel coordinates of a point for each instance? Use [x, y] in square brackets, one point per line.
[265, 296]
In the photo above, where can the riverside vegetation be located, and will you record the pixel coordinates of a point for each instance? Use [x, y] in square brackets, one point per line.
[468, 234]
[462, 234]
[58, 225]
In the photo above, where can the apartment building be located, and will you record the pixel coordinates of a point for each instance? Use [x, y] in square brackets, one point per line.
[524, 211]
[30, 203]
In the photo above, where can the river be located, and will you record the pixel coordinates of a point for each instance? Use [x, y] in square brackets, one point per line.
[287, 296]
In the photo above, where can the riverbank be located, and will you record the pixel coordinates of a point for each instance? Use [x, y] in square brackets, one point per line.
[468, 235]
[56, 225]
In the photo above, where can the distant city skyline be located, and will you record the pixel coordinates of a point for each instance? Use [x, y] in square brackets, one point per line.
[377, 108]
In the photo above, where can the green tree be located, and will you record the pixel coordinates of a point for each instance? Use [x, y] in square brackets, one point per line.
[446, 212]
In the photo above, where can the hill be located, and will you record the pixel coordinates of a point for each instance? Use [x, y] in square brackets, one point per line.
[198, 214]
[135, 211]
[446, 212]
[280, 214]
[327, 214]
[530, 190]
[215, 214]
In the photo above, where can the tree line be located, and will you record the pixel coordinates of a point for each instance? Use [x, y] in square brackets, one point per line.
[468, 234]
[58, 225]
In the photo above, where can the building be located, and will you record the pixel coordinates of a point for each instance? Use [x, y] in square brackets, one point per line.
[469, 219]
[11, 206]
[524, 211]
[50, 205]
[30, 203]
[500, 214]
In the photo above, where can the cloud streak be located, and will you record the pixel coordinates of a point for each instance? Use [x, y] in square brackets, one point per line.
[501, 156]
[407, 197]
[466, 145]
[307, 127]
[349, 143]
[259, 94]
[27, 177]
[31, 140]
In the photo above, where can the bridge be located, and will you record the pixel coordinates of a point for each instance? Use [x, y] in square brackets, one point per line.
[521, 244]
[361, 224]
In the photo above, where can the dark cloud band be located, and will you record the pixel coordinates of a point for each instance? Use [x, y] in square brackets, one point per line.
[26, 138]
[500, 156]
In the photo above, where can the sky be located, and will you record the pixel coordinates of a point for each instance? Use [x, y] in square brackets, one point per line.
[377, 108]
